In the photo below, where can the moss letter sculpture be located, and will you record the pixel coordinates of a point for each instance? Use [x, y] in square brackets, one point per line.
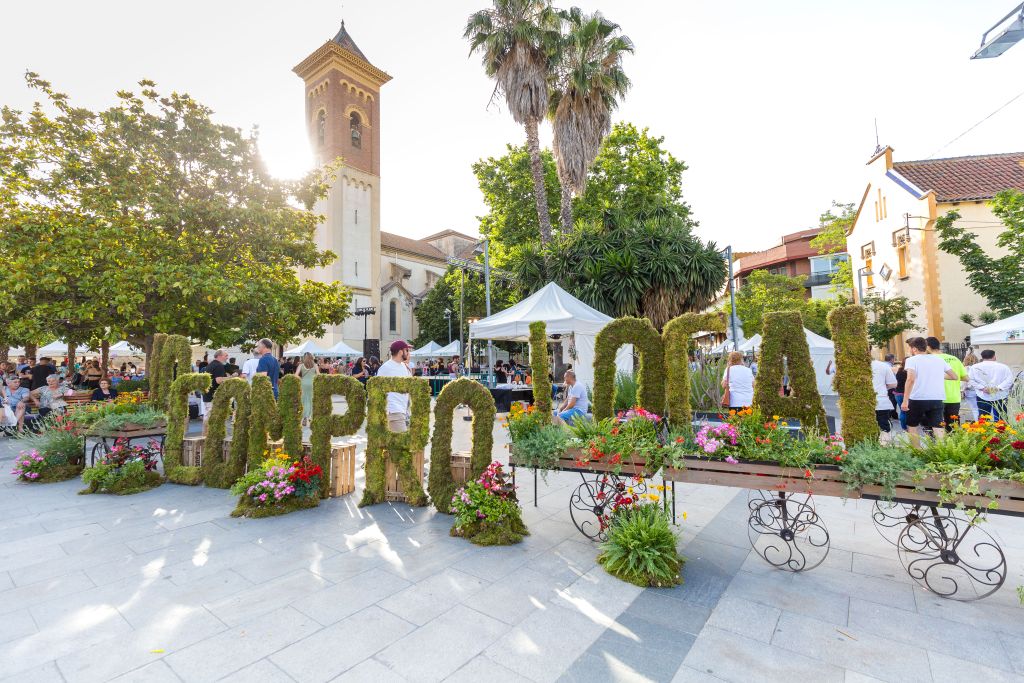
[154, 368]
[783, 336]
[651, 378]
[539, 369]
[326, 424]
[676, 335]
[398, 446]
[849, 327]
[288, 425]
[175, 359]
[216, 472]
[177, 421]
[264, 421]
[462, 391]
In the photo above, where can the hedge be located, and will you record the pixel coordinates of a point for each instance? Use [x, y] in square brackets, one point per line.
[540, 369]
[264, 421]
[177, 421]
[326, 424]
[651, 377]
[154, 366]
[853, 380]
[175, 358]
[288, 425]
[462, 391]
[399, 445]
[216, 472]
[783, 335]
[676, 335]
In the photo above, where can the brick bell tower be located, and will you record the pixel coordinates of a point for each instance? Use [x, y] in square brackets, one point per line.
[342, 91]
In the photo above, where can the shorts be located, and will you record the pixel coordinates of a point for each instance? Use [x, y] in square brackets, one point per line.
[397, 422]
[928, 414]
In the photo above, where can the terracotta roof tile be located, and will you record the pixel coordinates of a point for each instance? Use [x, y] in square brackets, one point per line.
[970, 178]
[389, 240]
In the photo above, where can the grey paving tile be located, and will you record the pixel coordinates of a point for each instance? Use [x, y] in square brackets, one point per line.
[14, 599]
[949, 669]
[44, 673]
[231, 650]
[745, 617]
[154, 672]
[480, 668]
[673, 615]
[686, 674]
[264, 671]
[251, 602]
[854, 677]
[369, 671]
[1015, 652]
[516, 596]
[344, 565]
[14, 625]
[424, 601]
[343, 599]
[634, 648]
[787, 592]
[6, 581]
[278, 563]
[881, 567]
[983, 614]
[710, 568]
[16, 560]
[732, 657]
[319, 658]
[851, 648]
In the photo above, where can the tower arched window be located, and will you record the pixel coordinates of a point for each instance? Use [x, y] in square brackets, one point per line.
[355, 125]
[321, 128]
[393, 316]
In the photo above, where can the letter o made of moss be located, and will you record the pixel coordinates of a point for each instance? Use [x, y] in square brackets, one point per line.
[783, 335]
[651, 378]
[264, 420]
[540, 369]
[177, 418]
[399, 446]
[216, 472]
[326, 424]
[154, 368]
[462, 391]
[853, 379]
[288, 425]
[175, 357]
[676, 335]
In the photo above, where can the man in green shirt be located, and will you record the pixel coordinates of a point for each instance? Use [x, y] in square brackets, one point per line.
[954, 387]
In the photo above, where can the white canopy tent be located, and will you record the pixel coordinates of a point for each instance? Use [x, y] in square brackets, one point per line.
[453, 349]
[429, 350]
[52, 349]
[564, 315]
[1006, 331]
[304, 348]
[823, 357]
[341, 349]
[123, 349]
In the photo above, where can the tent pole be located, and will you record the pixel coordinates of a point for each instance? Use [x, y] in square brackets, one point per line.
[487, 291]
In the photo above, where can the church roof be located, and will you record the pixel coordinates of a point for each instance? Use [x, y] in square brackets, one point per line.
[389, 240]
[346, 42]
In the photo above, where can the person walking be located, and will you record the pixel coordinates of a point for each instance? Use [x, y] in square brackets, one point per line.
[268, 365]
[360, 371]
[397, 403]
[992, 381]
[882, 380]
[898, 391]
[218, 373]
[925, 394]
[307, 371]
[970, 393]
[737, 383]
[954, 388]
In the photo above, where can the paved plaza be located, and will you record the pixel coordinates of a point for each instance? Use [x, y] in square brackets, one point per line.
[165, 586]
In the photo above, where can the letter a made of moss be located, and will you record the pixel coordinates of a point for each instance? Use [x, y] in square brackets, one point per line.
[462, 391]
[783, 335]
[641, 334]
[177, 422]
[264, 421]
[288, 425]
[216, 472]
[326, 424]
[849, 327]
[399, 446]
[175, 359]
[677, 334]
[539, 369]
[154, 367]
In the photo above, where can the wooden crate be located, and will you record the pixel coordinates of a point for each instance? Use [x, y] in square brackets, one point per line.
[343, 469]
[825, 480]
[460, 466]
[192, 451]
[392, 488]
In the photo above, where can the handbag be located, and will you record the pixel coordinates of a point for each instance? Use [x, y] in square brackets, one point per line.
[725, 394]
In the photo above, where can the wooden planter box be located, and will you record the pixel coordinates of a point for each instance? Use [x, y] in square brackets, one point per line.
[392, 487]
[460, 466]
[343, 469]
[569, 462]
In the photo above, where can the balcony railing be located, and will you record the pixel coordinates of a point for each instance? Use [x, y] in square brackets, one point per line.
[816, 279]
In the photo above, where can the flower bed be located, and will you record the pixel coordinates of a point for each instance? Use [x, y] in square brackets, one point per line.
[55, 453]
[124, 470]
[34, 467]
[278, 486]
[486, 510]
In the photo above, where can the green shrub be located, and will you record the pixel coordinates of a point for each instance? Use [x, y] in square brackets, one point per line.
[58, 444]
[177, 424]
[706, 385]
[868, 463]
[677, 336]
[289, 410]
[648, 343]
[853, 379]
[154, 369]
[625, 391]
[122, 478]
[486, 511]
[641, 548]
[216, 472]
[326, 424]
[399, 447]
[541, 448]
[144, 416]
[783, 336]
[462, 391]
[129, 385]
[539, 368]
[959, 447]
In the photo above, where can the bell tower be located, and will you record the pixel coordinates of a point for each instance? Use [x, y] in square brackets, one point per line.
[342, 90]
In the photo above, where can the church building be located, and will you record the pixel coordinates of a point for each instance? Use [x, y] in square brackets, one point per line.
[387, 272]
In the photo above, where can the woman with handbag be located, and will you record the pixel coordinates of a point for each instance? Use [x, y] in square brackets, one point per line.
[737, 384]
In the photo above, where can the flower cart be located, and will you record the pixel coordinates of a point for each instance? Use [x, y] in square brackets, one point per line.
[107, 438]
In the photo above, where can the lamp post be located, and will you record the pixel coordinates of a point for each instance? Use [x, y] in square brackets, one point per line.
[862, 272]
[1007, 38]
[734, 321]
[365, 312]
[448, 317]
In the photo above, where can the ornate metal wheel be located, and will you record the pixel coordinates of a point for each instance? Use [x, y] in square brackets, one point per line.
[592, 502]
[952, 557]
[890, 517]
[786, 531]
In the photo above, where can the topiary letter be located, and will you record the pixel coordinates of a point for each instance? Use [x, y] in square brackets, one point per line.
[475, 395]
[177, 421]
[676, 335]
[264, 421]
[326, 424]
[853, 379]
[216, 472]
[399, 445]
[783, 336]
[641, 334]
[154, 369]
[175, 359]
[539, 368]
[288, 425]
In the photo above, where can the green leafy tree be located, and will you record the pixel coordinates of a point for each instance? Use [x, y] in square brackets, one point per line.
[999, 279]
[832, 240]
[765, 292]
[890, 317]
[983, 318]
[430, 313]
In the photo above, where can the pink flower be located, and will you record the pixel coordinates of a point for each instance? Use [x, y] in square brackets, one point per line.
[731, 460]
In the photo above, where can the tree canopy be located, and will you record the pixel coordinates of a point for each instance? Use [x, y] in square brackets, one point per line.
[765, 292]
[832, 240]
[890, 317]
[149, 216]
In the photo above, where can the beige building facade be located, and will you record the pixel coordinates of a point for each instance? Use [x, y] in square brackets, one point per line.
[893, 246]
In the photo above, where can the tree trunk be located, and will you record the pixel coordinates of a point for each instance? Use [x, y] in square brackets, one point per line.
[5, 352]
[566, 206]
[104, 357]
[30, 350]
[539, 189]
[72, 347]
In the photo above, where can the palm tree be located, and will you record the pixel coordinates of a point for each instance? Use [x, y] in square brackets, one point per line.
[517, 40]
[585, 89]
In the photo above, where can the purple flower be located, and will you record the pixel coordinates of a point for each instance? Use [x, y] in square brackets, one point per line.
[731, 460]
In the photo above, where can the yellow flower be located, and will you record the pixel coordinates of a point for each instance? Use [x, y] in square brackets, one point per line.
[775, 417]
[653, 496]
[660, 487]
[630, 490]
[684, 515]
[783, 424]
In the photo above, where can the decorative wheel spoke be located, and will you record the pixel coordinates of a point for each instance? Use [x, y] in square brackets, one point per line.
[952, 557]
[890, 517]
[785, 530]
[592, 502]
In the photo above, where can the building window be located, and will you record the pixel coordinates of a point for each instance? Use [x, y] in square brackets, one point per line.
[321, 128]
[357, 216]
[393, 316]
[881, 212]
[904, 257]
[870, 273]
[355, 125]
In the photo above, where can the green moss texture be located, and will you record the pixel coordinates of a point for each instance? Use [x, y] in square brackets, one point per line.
[462, 391]
[540, 369]
[383, 444]
[853, 383]
[783, 336]
[677, 335]
[177, 416]
[651, 377]
[216, 472]
[326, 424]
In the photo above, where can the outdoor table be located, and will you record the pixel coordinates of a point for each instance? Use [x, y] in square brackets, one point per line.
[155, 433]
[505, 394]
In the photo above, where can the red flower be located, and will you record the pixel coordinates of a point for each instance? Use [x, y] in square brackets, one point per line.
[808, 474]
[994, 441]
[1019, 445]
[1001, 428]
[994, 457]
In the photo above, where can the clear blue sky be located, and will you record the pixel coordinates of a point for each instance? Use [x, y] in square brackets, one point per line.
[771, 104]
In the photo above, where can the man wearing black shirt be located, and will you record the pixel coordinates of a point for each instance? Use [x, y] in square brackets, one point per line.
[217, 376]
[231, 367]
[40, 372]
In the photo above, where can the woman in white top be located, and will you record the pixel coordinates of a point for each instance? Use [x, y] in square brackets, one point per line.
[739, 380]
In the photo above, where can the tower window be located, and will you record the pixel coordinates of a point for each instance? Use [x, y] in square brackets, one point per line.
[357, 216]
[321, 128]
[393, 316]
[355, 125]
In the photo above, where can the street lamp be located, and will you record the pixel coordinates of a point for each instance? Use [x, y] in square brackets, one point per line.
[734, 321]
[448, 317]
[1010, 36]
[861, 273]
[364, 313]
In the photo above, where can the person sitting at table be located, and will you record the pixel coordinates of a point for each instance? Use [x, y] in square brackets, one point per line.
[51, 397]
[104, 392]
[15, 399]
[576, 403]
